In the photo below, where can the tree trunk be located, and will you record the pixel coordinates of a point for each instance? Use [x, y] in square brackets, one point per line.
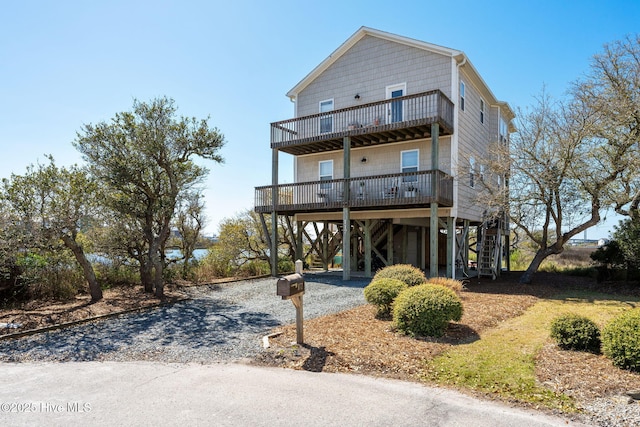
[540, 256]
[87, 268]
[145, 275]
[158, 279]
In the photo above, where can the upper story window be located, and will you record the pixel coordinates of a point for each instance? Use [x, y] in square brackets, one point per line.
[409, 163]
[326, 122]
[503, 130]
[482, 111]
[472, 172]
[462, 96]
[326, 173]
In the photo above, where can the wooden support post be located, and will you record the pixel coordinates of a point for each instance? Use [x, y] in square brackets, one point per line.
[325, 245]
[346, 212]
[433, 232]
[297, 303]
[423, 253]
[299, 244]
[451, 235]
[405, 242]
[367, 247]
[390, 244]
[273, 250]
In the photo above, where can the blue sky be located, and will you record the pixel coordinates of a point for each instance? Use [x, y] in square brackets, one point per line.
[66, 63]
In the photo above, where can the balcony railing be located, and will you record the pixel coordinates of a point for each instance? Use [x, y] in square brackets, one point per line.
[391, 120]
[412, 189]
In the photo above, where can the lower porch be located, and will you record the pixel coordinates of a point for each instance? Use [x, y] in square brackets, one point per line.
[375, 240]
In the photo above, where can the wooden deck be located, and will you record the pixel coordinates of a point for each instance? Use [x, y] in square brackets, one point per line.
[393, 120]
[390, 191]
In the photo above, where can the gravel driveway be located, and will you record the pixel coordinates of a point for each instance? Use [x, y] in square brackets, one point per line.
[219, 323]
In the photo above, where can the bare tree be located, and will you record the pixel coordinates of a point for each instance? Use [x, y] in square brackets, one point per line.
[559, 175]
[612, 91]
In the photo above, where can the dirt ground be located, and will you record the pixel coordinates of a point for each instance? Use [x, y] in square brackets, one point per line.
[38, 314]
[355, 341]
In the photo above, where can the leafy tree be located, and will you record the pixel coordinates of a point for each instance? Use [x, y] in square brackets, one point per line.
[189, 222]
[243, 239]
[145, 159]
[627, 237]
[52, 204]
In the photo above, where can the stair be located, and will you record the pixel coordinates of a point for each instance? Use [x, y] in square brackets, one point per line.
[490, 248]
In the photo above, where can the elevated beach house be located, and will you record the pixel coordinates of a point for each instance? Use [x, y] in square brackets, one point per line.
[386, 140]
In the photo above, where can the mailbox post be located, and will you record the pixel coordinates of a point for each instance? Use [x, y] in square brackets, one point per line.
[292, 287]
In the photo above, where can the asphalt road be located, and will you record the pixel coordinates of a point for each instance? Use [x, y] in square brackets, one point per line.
[159, 394]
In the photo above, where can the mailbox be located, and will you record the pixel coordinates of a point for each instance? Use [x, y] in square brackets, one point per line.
[290, 285]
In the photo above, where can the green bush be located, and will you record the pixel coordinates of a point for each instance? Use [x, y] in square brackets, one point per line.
[382, 293]
[621, 340]
[574, 332]
[285, 265]
[409, 274]
[426, 310]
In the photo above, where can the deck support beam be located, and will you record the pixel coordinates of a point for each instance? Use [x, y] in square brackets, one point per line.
[367, 247]
[433, 225]
[273, 250]
[451, 234]
[346, 212]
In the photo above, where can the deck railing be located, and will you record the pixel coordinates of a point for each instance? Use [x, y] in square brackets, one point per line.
[426, 107]
[380, 191]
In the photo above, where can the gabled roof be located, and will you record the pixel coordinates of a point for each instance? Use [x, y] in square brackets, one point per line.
[458, 55]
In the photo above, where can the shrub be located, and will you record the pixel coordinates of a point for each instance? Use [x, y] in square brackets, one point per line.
[621, 340]
[426, 310]
[409, 274]
[574, 332]
[455, 285]
[285, 265]
[382, 293]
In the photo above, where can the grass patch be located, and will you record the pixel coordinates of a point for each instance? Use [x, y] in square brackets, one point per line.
[502, 362]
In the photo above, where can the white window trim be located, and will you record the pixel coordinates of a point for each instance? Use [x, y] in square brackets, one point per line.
[333, 106]
[463, 89]
[320, 171]
[483, 106]
[392, 88]
[410, 178]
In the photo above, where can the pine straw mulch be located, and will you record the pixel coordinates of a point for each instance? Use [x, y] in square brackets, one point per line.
[355, 341]
[37, 314]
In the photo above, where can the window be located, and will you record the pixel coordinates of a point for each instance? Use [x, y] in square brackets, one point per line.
[481, 173]
[503, 130]
[409, 163]
[462, 96]
[326, 173]
[482, 111]
[326, 122]
[472, 172]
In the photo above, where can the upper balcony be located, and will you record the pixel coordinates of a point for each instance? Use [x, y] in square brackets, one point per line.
[389, 191]
[392, 120]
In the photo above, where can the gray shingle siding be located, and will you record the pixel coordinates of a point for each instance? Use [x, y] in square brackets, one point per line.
[369, 67]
